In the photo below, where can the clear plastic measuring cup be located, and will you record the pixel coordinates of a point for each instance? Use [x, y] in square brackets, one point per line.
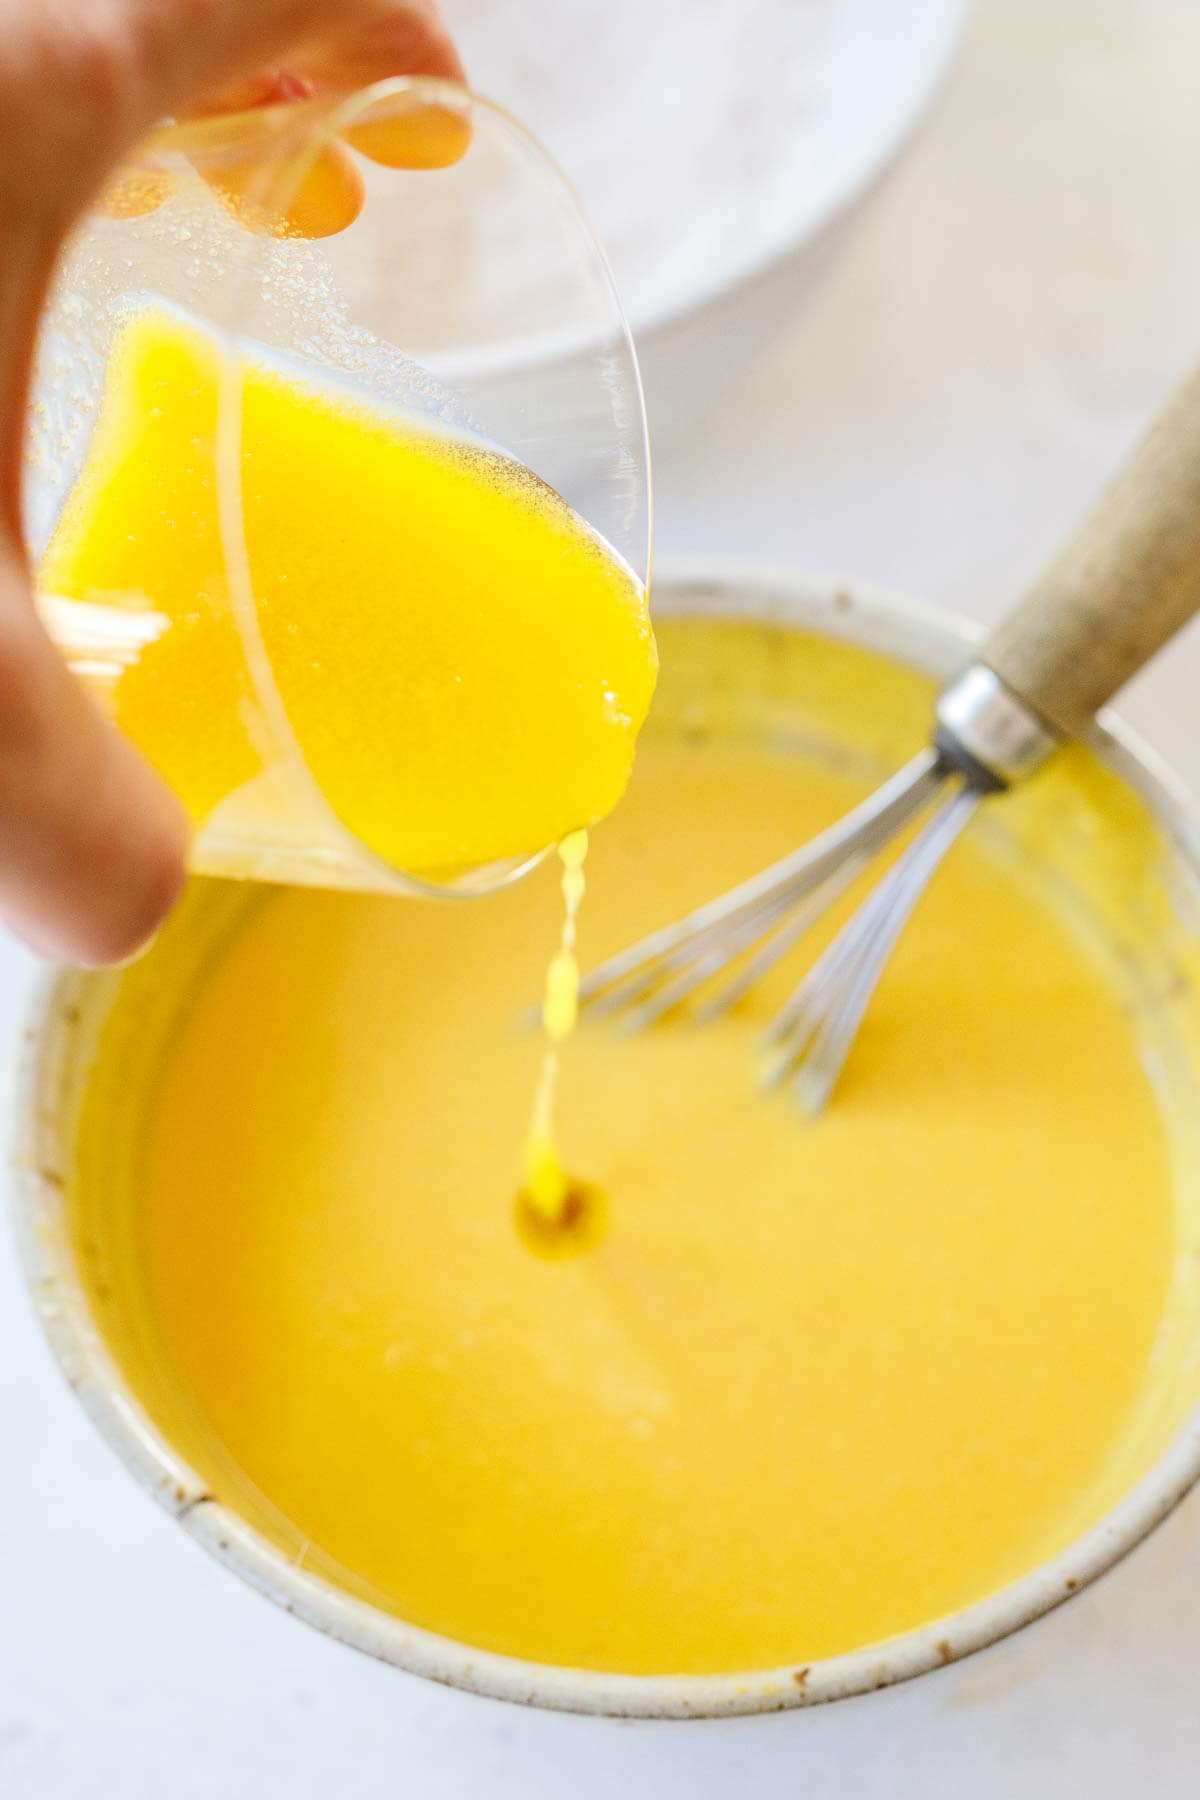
[471, 296]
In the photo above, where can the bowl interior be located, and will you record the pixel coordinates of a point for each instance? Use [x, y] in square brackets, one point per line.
[1100, 837]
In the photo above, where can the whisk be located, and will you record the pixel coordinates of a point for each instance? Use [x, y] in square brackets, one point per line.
[1123, 586]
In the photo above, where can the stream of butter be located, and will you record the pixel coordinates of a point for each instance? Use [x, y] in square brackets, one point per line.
[546, 1185]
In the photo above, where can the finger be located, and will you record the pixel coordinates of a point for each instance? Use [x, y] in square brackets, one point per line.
[412, 43]
[92, 844]
[405, 40]
[327, 199]
[389, 40]
[330, 194]
[359, 44]
[429, 137]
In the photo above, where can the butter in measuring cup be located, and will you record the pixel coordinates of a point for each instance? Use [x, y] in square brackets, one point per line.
[462, 662]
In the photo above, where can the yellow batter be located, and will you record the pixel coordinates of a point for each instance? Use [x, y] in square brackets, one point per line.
[810, 1386]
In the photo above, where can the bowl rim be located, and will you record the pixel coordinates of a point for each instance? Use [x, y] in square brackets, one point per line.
[927, 638]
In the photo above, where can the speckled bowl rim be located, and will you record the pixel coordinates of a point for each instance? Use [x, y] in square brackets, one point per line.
[928, 640]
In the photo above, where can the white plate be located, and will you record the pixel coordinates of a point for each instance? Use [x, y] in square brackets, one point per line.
[708, 138]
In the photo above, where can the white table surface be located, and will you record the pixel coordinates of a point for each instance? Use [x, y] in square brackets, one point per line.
[927, 408]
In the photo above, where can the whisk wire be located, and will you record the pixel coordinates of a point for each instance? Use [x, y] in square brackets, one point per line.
[782, 937]
[699, 961]
[754, 925]
[629, 976]
[818, 1025]
[711, 946]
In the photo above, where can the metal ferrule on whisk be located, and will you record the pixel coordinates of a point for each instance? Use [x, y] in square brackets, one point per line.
[986, 733]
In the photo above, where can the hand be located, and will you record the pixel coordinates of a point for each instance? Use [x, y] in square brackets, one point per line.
[92, 844]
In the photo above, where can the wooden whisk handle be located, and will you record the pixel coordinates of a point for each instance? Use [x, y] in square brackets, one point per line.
[1121, 589]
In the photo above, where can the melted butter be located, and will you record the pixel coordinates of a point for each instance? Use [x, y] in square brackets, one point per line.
[464, 666]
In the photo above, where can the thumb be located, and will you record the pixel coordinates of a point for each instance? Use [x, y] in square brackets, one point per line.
[92, 844]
